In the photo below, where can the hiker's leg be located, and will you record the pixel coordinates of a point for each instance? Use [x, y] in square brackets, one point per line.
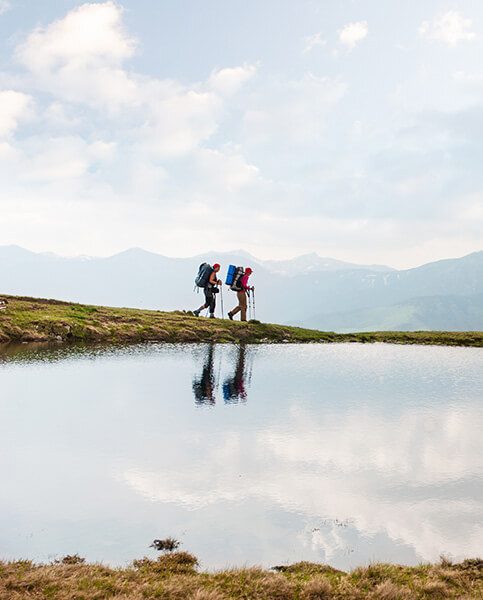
[212, 305]
[242, 300]
[207, 301]
[236, 310]
[198, 310]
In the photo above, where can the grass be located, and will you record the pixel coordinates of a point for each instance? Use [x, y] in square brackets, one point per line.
[41, 320]
[176, 577]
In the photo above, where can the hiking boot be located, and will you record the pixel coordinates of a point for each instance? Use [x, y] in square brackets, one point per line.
[230, 316]
[212, 316]
[196, 313]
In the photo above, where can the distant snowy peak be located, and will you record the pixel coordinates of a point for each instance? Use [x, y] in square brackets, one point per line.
[313, 263]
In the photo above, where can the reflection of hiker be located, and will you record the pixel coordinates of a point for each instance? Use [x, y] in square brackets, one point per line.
[204, 387]
[207, 280]
[234, 387]
[242, 288]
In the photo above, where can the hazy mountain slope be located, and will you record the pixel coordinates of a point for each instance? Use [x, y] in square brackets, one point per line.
[345, 291]
[307, 292]
[451, 313]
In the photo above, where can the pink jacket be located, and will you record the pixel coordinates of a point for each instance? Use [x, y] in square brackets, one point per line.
[244, 282]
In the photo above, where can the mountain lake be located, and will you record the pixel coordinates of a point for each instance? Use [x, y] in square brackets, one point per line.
[269, 454]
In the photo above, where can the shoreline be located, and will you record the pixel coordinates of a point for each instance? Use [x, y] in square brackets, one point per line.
[37, 320]
[176, 576]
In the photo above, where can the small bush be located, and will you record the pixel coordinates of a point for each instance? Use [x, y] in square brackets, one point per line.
[70, 559]
[175, 562]
[307, 569]
[167, 545]
[470, 564]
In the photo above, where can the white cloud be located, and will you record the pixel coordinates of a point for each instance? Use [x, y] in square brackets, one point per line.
[450, 28]
[177, 119]
[312, 41]
[287, 138]
[469, 80]
[226, 170]
[353, 33]
[4, 6]
[339, 475]
[57, 159]
[79, 59]
[229, 80]
[80, 56]
[90, 35]
[294, 111]
[13, 107]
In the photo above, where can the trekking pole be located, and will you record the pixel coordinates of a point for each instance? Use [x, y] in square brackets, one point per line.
[253, 300]
[222, 306]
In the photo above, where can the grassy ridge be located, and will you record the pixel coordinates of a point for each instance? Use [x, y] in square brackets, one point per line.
[40, 320]
[176, 577]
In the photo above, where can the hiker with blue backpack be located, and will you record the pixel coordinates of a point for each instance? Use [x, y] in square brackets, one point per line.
[208, 281]
[240, 285]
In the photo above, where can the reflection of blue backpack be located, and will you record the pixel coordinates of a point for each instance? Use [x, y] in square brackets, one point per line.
[203, 276]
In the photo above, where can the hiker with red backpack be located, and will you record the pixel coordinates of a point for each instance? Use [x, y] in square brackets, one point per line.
[207, 280]
[242, 289]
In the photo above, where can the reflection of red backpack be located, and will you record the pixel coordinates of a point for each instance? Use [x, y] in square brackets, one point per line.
[236, 285]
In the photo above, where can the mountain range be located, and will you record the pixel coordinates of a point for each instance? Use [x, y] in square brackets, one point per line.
[308, 290]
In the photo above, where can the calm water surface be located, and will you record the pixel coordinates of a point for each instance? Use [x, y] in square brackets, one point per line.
[270, 454]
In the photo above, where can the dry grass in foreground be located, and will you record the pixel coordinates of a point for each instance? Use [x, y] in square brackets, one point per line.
[176, 577]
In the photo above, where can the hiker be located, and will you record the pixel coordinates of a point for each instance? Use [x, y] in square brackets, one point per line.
[234, 387]
[204, 386]
[209, 282]
[242, 290]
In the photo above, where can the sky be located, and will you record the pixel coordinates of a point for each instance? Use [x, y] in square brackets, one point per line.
[350, 128]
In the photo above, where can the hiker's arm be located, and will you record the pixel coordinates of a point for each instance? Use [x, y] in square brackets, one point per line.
[214, 280]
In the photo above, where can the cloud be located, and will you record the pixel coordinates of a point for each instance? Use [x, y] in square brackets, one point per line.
[4, 6]
[226, 170]
[176, 118]
[450, 28]
[339, 475]
[90, 35]
[13, 107]
[292, 111]
[229, 80]
[80, 59]
[312, 41]
[353, 33]
[80, 56]
[247, 137]
[469, 80]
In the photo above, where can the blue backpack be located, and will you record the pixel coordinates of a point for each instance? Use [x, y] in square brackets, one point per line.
[233, 277]
[230, 275]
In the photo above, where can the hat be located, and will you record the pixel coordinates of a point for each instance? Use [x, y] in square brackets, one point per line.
[216, 266]
[248, 271]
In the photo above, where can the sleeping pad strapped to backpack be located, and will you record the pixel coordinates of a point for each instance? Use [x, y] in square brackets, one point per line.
[230, 274]
[203, 276]
[233, 277]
